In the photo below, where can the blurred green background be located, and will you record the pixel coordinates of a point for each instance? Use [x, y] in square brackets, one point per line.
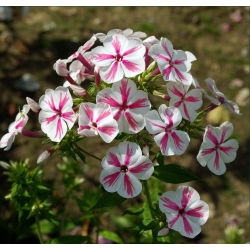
[32, 39]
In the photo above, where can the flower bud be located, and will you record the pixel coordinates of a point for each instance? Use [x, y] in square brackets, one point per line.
[43, 156]
[163, 232]
[33, 105]
[60, 67]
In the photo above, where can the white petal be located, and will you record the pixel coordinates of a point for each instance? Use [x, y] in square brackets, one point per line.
[130, 187]
[132, 122]
[134, 50]
[111, 179]
[187, 227]
[194, 98]
[216, 164]
[7, 141]
[225, 131]
[154, 123]
[130, 152]
[163, 140]
[180, 141]
[102, 57]
[108, 129]
[170, 202]
[175, 90]
[142, 169]
[171, 115]
[112, 73]
[112, 159]
[228, 150]
[188, 196]
[205, 153]
[133, 66]
[190, 56]
[167, 46]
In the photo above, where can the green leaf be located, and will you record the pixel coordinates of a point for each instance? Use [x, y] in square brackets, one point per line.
[70, 239]
[109, 200]
[134, 211]
[173, 174]
[111, 236]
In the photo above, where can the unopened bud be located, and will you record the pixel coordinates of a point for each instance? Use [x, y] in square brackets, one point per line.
[43, 156]
[33, 105]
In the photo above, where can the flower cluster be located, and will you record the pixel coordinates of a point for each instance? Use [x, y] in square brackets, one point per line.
[107, 89]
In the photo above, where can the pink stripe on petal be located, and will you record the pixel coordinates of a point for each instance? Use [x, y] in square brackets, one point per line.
[118, 115]
[177, 140]
[63, 101]
[164, 142]
[169, 204]
[187, 227]
[163, 57]
[178, 62]
[110, 180]
[186, 111]
[167, 71]
[109, 100]
[103, 57]
[111, 74]
[179, 74]
[51, 103]
[226, 150]
[173, 221]
[207, 151]
[68, 116]
[116, 44]
[84, 127]
[59, 129]
[132, 122]
[130, 65]
[128, 185]
[103, 115]
[129, 154]
[186, 196]
[211, 137]
[178, 104]
[224, 131]
[125, 91]
[195, 212]
[109, 130]
[140, 103]
[130, 51]
[89, 112]
[192, 99]
[50, 119]
[156, 125]
[140, 168]
[217, 160]
[166, 49]
[113, 160]
[20, 124]
[177, 92]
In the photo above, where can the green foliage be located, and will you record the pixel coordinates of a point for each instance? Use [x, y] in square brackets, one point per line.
[110, 236]
[233, 235]
[70, 239]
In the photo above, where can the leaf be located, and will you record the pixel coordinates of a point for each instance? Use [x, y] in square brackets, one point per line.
[109, 200]
[174, 174]
[70, 239]
[111, 236]
[133, 211]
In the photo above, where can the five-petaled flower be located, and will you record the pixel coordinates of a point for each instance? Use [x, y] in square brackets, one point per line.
[119, 57]
[187, 101]
[162, 125]
[122, 167]
[15, 128]
[56, 115]
[216, 149]
[184, 210]
[173, 64]
[220, 98]
[97, 119]
[128, 105]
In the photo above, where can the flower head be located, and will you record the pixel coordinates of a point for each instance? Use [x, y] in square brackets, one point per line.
[56, 115]
[118, 58]
[122, 167]
[127, 104]
[220, 98]
[15, 128]
[97, 119]
[187, 101]
[162, 125]
[184, 210]
[216, 149]
[173, 64]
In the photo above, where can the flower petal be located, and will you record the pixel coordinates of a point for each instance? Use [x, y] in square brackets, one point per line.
[171, 115]
[228, 150]
[180, 141]
[165, 143]
[170, 202]
[112, 159]
[216, 164]
[111, 179]
[112, 73]
[154, 123]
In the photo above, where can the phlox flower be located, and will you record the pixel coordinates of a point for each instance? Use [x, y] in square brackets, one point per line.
[119, 57]
[15, 128]
[128, 105]
[163, 126]
[216, 149]
[187, 101]
[220, 98]
[122, 167]
[97, 119]
[129, 33]
[184, 210]
[173, 64]
[56, 115]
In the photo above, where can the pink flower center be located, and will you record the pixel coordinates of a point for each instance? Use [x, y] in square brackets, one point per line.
[221, 99]
[123, 106]
[94, 124]
[124, 169]
[59, 113]
[118, 58]
[182, 212]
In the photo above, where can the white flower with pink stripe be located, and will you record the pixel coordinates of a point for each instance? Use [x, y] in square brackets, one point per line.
[216, 149]
[122, 167]
[184, 210]
[173, 64]
[56, 115]
[220, 98]
[97, 119]
[119, 57]
[128, 105]
[15, 128]
[187, 101]
[163, 126]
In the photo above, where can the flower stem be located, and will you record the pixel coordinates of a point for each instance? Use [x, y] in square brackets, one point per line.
[89, 154]
[39, 232]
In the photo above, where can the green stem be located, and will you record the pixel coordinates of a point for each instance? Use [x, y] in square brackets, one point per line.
[39, 232]
[89, 154]
[150, 205]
